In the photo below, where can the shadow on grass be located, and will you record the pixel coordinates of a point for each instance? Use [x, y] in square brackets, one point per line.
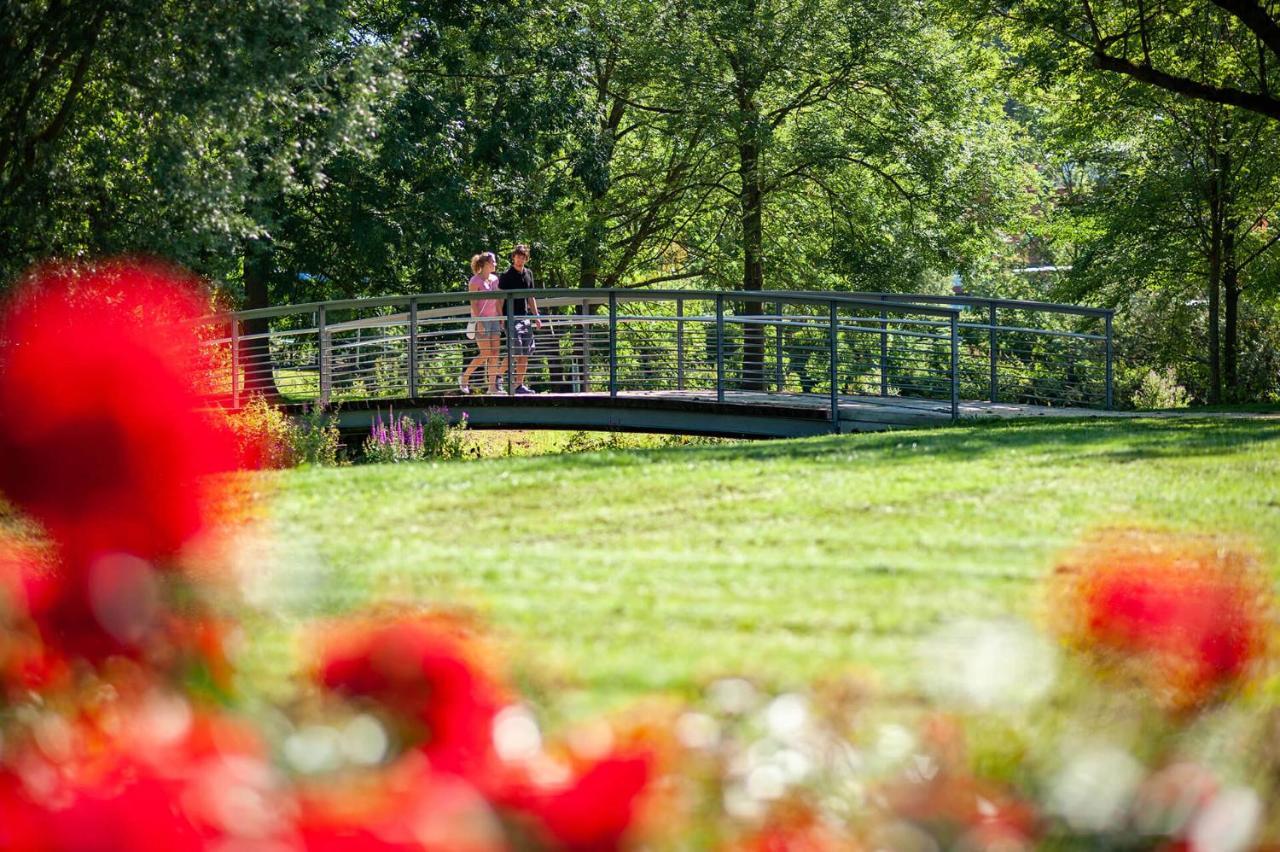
[1091, 439]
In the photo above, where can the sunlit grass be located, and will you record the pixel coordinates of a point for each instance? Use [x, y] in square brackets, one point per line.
[620, 573]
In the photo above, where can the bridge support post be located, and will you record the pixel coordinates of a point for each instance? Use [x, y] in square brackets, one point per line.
[413, 349]
[780, 377]
[613, 344]
[884, 352]
[679, 343]
[585, 365]
[833, 344]
[720, 347]
[955, 366]
[508, 311]
[235, 362]
[1110, 401]
[323, 354]
[993, 347]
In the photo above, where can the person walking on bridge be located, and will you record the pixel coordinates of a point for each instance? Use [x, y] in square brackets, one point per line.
[486, 323]
[520, 345]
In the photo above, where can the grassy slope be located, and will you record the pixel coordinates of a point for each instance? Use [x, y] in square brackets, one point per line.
[627, 572]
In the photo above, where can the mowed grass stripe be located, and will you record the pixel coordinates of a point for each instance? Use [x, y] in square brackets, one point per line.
[655, 569]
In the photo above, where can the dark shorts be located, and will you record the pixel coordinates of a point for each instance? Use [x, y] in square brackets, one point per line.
[522, 343]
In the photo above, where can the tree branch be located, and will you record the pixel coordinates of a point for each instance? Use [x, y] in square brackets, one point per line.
[1252, 15]
[1251, 101]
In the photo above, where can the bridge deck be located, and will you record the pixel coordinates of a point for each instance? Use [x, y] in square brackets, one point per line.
[741, 414]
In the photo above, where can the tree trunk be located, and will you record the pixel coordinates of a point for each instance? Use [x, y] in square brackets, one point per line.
[255, 355]
[1215, 275]
[752, 198]
[1231, 308]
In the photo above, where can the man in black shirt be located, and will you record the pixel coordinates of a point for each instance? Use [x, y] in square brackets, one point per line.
[521, 344]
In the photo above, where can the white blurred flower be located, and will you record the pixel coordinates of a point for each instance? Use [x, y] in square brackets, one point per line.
[894, 744]
[1228, 823]
[697, 731]
[313, 749]
[987, 664]
[787, 717]
[795, 765]
[364, 741]
[1093, 790]
[515, 734]
[766, 782]
[734, 695]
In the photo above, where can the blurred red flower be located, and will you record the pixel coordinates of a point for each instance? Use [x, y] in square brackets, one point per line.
[140, 775]
[1189, 617]
[101, 428]
[404, 806]
[431, 674]
[592, 809]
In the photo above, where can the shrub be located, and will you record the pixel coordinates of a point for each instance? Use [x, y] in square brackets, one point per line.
[441, 439]
[1160, 390]
[263, 434]
[315, 438]
[269, 438]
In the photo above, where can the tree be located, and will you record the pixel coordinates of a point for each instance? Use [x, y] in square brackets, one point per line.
[1177, 208]
[1158, 44]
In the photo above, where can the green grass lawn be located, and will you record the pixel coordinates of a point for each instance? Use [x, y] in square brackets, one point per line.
[615, 574]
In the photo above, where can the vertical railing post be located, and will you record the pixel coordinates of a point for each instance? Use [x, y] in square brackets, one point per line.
[833, 343]
[613, 343]
[993, 347]
[1110, 401]
[323, 337]
[720, 347]
[413, 348]
[235, 361]
[779, 379]
[508, 308]
[586, 346]
[679, 343]
[955, 365]
[884, 351]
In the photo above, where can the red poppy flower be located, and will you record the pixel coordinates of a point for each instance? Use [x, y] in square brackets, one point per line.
[591, 811]
[101, 430]
[1189, 618]
[430, 675]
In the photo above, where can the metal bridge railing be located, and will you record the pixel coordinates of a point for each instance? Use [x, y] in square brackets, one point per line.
[767, 347]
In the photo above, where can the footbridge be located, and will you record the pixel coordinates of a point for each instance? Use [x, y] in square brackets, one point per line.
[693, 361]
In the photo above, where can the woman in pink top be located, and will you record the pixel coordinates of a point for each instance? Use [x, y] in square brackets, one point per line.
[486, 315]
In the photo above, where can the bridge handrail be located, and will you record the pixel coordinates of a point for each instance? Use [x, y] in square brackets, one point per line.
[981, 301]
[433, 324]
[597, 296]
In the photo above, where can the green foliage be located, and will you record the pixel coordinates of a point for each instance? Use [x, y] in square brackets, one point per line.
[264, 432]
[267, 435]
[294, 151]
[1160, 390]
[315, 438]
